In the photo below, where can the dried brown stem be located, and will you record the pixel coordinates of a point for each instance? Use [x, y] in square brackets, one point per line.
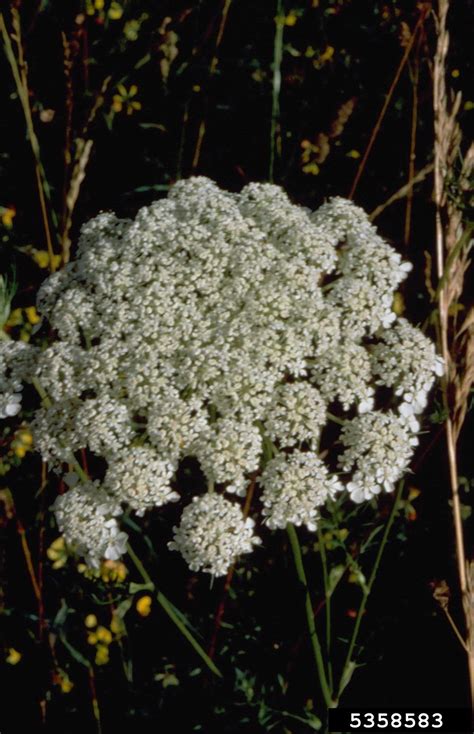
[387, 101]
[212, 71]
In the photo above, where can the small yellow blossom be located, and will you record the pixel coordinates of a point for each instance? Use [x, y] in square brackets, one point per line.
[41, 258]
[353, 154]
[7, 214]
[455, 73]
[57, 552]
[115, 11]
[62, 680]
[143, 606]
[92, 638]
[124, 99]
[25, 437]
[291, 18]
[32, 315]
[113, 571]
[15, 318]
[102, 655]
[104, 635]
[13, 656]
[90, 621]
[66, 684]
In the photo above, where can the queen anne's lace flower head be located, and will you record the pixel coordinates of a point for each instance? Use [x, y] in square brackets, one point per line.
[212, 534]
[141, 479]
[295, 489]
[378, 447]
[86, 516]
[406, 361]
[295, 415]
[225, 327]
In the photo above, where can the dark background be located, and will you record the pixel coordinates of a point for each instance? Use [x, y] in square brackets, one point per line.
[410, 657]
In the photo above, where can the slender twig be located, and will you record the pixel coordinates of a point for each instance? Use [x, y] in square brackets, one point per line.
[212, 71]
[387, 101]
[402, 192]
[368, 587]
[415, 75]
[95, 700]
[19, 73]
[316, 645]
[28, 560]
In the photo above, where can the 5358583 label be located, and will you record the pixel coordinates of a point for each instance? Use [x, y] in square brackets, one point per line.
[436, 720]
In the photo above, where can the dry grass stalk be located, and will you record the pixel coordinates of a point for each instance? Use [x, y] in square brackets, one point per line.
[453, 243]
[403, 191]
[20, 75]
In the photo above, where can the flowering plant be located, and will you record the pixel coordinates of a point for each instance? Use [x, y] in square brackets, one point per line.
[232, 328]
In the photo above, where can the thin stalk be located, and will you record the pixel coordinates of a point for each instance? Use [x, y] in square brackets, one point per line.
[316, 645]
[368, 588]
[212, 71]
[167, 606]
[19, 73]
[275, 138]
[386, 103]
[327, 605]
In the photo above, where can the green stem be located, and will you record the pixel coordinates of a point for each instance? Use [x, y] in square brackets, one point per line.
[275, 139]
[168, 607]
[335, 419]
[327, 605]
[318, 656]
[348, 663]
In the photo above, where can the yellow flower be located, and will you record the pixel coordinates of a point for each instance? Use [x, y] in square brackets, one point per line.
[113, 571]
[115, 11]
[32, 315]
[104, 635]
[7, 214]
[41, 257]
[92, 638]
[15, 318]
[143, 606]
[13, 656]
[90, 621]
[291, 18]
[102, 655]
[57, 552]
[20, 451]
[99, 4]
[66, 684]
[353, 154]
[124, 99]
[25, 437]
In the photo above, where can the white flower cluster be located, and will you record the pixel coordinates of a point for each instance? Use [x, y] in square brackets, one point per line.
[379, 447]
[406, 360]
[86, 515]
[295, 488]
[141, 479]
[16, 363]
[227, 327]
[212, 534]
